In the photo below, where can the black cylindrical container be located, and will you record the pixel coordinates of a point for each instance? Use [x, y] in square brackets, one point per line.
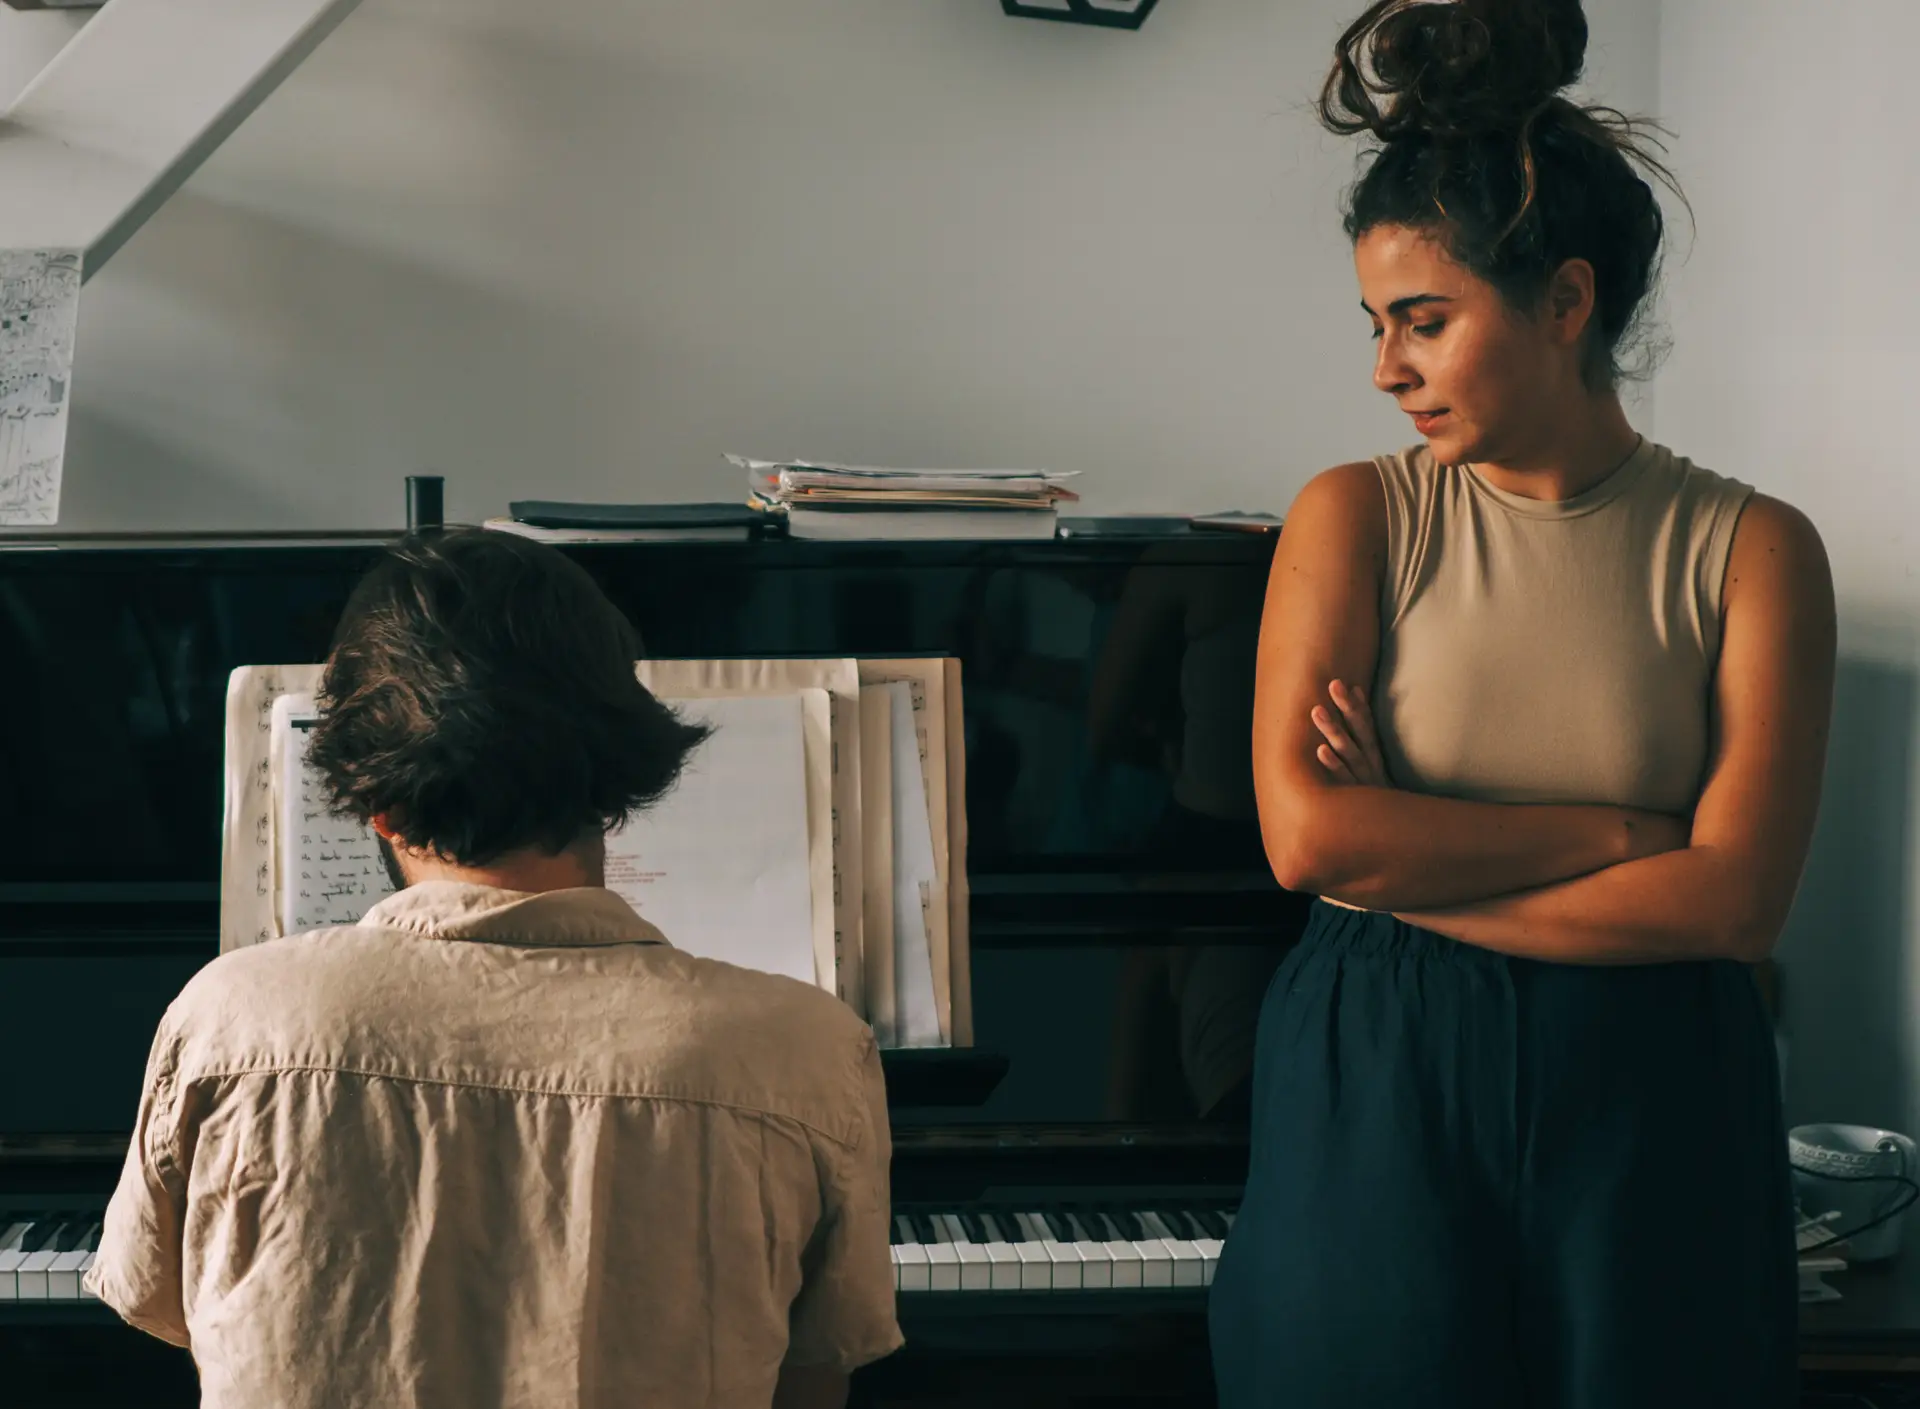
[423, 502]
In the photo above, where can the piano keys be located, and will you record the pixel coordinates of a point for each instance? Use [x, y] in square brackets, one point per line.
[44, 1254]
[1058, 1248]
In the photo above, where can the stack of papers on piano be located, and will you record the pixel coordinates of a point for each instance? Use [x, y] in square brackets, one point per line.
[820, 832]
[820, 500]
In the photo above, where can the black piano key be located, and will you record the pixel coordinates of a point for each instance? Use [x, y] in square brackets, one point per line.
[970, 1222]
[1130, 1227]
[923, 1225]
[1082, 1227]
[73, 1227]
[1055, 1222]
[894, 1236]
[1183, 1223]
[1215, 1225]
[40, 1233]
[998, 1228]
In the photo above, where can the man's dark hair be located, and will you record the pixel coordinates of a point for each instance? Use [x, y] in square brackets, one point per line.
[481, 694]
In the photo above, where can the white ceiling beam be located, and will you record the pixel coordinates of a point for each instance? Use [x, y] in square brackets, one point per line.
[137, 100]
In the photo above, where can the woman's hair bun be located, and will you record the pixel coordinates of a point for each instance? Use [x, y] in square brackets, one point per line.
[1452, 69]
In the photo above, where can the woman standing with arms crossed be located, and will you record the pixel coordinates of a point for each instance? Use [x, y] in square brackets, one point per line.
[1541, 714]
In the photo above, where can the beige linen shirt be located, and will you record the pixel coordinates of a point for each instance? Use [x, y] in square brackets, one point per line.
[488, 1148]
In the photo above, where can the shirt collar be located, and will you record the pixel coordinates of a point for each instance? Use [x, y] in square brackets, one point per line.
[581, 915]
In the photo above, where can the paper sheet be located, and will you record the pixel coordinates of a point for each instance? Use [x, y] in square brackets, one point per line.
[876, 836]
[722, 864]
[918, 897]
[39, 310]
[328, 869]
[839, 677]
[959, 896]
[247, 891]
[927, 679]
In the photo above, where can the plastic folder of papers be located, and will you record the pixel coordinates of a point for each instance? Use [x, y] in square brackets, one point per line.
[820, 831]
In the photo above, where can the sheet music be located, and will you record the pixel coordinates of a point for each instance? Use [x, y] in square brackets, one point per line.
[876, 842]
[39, 309]
[249, 913]
[916, 884]
[722, 863]
[926, 682]
[839, 952]
[959, 894]
[329, 867]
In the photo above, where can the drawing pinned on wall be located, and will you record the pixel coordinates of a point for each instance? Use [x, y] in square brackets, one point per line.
[39, 309]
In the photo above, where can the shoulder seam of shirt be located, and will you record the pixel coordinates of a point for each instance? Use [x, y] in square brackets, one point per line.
[849, 1140]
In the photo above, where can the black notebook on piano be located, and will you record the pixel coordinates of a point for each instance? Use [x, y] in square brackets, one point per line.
[697, 520]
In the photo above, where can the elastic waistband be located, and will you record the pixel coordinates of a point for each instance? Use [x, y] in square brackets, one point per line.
[1380, 934]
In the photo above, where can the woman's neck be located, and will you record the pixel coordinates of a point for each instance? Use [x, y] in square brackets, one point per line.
[1566, 456]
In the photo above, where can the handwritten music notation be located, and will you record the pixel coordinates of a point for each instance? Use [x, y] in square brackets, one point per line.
[331, 869]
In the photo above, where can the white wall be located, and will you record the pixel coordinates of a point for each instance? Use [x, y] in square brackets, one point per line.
[1795, 324]
[28, 38]
[582, 249]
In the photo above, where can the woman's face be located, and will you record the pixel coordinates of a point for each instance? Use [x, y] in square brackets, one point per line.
[1477, 378]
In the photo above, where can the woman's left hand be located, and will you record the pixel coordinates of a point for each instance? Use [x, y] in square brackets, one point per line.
[1351, 752]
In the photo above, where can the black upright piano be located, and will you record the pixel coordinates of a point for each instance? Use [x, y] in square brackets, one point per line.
[1124, 920]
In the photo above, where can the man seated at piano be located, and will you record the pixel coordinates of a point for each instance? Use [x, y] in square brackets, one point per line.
[501, 1143]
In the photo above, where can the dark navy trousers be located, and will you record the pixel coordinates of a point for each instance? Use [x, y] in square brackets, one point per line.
[1492, 1182]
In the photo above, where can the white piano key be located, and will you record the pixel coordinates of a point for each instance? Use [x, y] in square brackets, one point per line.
[63, 1277]
[1209, 1249]
[911, 1270]
[1204, 1241]
[1005, 1275]
[11, 1256]
[915, 1272]
[943, 1263]
[1096, 1263]
[976, 1272]
[32, 1274]
[1129, 1267]
[1156, 1262]
[1035, 1271]
[1188, 1270]
[1064, 1262]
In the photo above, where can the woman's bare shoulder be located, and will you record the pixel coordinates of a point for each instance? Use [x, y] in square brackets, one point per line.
[1776, 549]
[1343, 506]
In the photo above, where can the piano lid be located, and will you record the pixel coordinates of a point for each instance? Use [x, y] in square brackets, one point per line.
[110, 128]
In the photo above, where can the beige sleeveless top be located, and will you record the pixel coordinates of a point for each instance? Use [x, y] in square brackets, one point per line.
[1552, 652]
